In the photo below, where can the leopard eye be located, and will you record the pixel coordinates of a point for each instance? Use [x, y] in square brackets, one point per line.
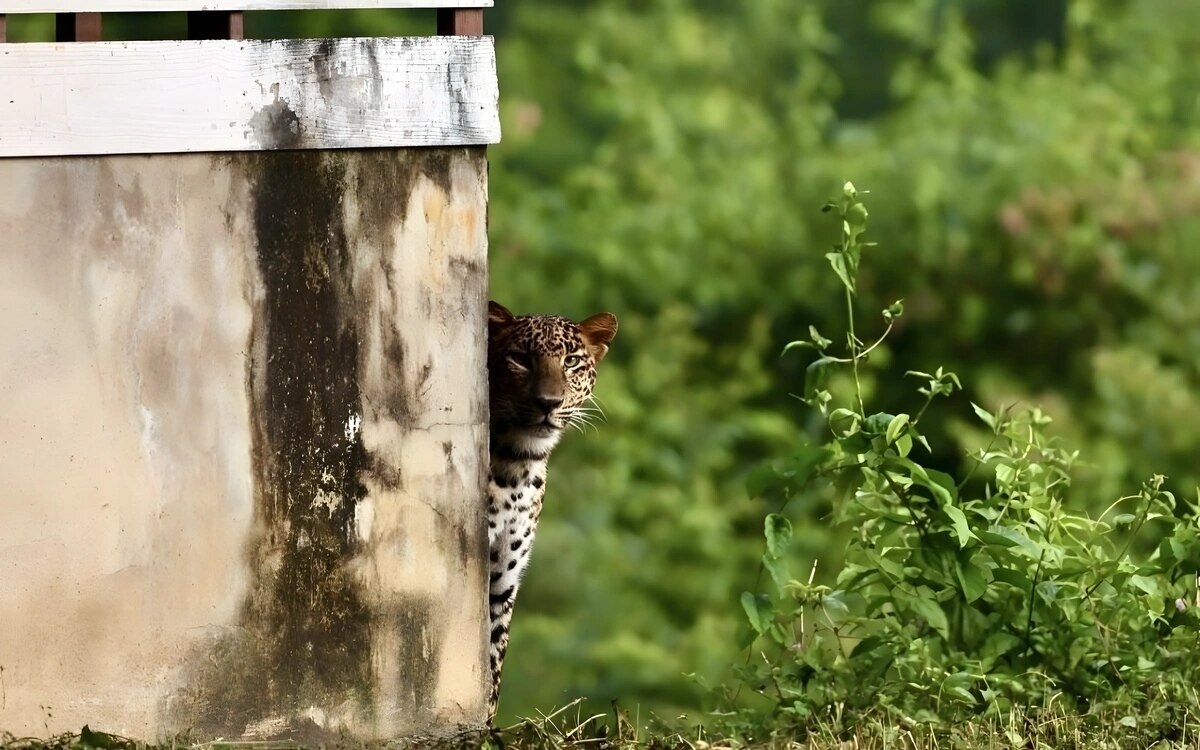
[572, 360]
[519, 359]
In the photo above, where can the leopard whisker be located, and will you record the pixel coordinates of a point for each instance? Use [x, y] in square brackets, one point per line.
[595, 401]
[581, 420]
[591, 411]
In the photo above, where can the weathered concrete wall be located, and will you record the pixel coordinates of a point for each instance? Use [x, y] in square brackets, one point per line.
[242, 441]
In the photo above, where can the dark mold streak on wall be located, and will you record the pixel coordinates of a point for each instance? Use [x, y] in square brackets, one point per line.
[305, 606]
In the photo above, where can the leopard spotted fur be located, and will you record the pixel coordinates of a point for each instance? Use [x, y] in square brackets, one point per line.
[542, 369]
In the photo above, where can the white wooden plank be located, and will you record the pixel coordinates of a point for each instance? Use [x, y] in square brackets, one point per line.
[126, 6]
[220, 95]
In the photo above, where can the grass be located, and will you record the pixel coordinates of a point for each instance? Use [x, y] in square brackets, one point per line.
[574, 727]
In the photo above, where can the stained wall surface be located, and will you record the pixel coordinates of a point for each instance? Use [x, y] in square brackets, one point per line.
[242, 441]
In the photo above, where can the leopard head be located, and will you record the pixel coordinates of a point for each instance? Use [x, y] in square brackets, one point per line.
[542, 369]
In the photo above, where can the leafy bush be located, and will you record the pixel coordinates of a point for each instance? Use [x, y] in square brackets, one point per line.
[963, 595]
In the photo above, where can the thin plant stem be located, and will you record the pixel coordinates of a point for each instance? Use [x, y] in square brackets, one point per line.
[852, 341]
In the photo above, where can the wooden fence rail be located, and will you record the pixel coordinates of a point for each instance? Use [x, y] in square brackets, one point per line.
[82, 20]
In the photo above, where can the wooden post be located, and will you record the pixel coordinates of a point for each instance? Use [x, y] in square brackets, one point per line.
[77, 27]
[3, 28]
[215, 24]
[460, 22]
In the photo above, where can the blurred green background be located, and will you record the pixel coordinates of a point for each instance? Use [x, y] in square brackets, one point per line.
[1034, 168]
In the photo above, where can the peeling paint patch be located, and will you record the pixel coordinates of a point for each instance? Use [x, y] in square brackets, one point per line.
[353, 426]
[276, 125]
[330, 502]
[364, 517]
[147, 432]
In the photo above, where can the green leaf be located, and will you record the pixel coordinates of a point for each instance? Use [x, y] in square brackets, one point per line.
[1047, 590]
[930, 611]
[835, 606]
[866, 646]
[838, 262]
[983, 414]
[958, 685]
[778, 531]
[818, 340]
[998, 643]
[759, 611]
[1146, 584]
[856, 218]
[816, 375]
[1014, 578]
[972, 580]
[877, 423]
[852, 576]
[796, 345]
[941, 485]
[893, 569]
[762, 478]
[844, 422]
[896, 427]
[962, 529]
[1008, 537]
[778, 568]
[991, 537]
[806, 460]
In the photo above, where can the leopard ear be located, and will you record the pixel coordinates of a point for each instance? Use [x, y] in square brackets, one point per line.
[498, 314]
[598, 332]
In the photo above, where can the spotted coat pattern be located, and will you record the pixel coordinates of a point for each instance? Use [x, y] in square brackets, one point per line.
[542, 369]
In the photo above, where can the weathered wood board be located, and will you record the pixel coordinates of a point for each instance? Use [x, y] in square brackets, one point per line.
[121, 6]
[243, 416]
[222, 95]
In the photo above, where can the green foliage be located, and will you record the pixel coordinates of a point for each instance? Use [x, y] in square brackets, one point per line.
[657, 162]
[962, 596]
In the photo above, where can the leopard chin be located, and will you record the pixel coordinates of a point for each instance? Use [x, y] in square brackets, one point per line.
[537, 441]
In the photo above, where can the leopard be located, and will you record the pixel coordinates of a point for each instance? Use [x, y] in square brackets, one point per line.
[541, 373]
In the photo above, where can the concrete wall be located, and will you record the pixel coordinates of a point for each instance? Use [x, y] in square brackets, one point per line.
[242, 442]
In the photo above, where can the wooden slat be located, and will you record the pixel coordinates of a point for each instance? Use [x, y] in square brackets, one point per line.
[3, 28]
[134, 6]
[78, 27]
[163, 97]
[216, 24]
[460, 22]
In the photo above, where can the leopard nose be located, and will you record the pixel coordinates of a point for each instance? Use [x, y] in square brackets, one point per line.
[549, 403]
